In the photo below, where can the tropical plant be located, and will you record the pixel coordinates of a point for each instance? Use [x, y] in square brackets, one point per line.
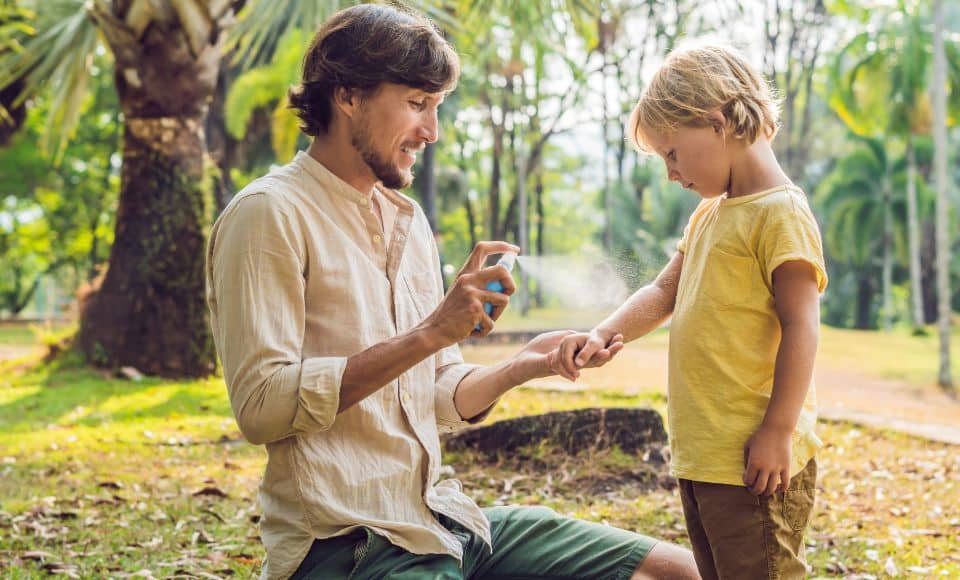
[880, 85]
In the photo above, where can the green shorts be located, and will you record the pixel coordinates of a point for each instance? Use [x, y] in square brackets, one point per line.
[528, 542]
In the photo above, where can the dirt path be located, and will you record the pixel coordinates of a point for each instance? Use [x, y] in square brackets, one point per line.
[843, 393]
[922, 411]
[8, 352]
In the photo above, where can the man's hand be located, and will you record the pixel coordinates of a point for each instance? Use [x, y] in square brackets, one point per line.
[461, 310]
[767, 461]
[594, 349]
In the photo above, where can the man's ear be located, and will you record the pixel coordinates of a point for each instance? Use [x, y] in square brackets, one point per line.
[347, 100]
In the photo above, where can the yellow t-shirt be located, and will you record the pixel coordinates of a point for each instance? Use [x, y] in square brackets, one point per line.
[725, 333]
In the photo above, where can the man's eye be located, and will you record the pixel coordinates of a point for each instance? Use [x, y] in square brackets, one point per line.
[418, 105]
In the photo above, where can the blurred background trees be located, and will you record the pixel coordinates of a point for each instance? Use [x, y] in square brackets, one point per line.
[126, 125]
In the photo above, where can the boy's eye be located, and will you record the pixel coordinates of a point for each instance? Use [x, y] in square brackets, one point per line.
[418, 105]
[672, 155]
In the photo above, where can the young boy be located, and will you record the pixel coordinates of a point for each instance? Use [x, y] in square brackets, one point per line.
[743, 291]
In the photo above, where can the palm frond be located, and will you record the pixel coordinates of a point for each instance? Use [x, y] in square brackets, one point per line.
[59, 56]
[263, 23]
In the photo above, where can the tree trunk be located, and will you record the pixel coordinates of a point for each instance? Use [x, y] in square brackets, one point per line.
[541, 230]
[944, 378]
[427, 186]
[630, 429]
[864, 301]
[913, 237]
[150, 311]
[886, 314]
[220, 143]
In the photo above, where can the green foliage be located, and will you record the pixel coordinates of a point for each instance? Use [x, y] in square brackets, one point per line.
[58, 214]
[59, 55]
[266, 87]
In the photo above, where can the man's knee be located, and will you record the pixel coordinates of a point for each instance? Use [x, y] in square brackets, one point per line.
[667, 562]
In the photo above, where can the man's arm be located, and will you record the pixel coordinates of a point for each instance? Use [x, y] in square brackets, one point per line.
[539, 358]
[256, 285]
[767, 452]
[456, 318]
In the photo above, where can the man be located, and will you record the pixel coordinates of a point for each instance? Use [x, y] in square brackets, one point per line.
[340, 351]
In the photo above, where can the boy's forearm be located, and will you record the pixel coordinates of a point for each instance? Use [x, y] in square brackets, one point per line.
[649, 307]
[792, 376]
[645, 311]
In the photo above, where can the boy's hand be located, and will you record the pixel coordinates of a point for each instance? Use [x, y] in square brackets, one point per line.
[581, 350]
[767, 461]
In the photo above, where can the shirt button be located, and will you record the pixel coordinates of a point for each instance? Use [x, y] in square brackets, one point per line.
[376, 238]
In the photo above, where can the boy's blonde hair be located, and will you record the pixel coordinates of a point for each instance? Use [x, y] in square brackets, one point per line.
[696, 81]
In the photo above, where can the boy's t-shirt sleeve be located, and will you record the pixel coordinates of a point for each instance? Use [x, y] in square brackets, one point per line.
[789, 233]
[691, 226]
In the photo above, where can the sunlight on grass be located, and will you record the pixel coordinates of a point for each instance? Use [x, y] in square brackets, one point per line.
[894, 355]
[110, 476]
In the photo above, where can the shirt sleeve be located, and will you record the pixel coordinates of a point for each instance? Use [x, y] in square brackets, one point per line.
[450, 367]
[691, 225]
[790, 233]
[256, 287]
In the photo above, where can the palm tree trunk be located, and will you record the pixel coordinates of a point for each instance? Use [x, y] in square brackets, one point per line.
[150, 311]
[865, 292]
[427, 186]
[913, 237]
[886, 314]
[944, 379]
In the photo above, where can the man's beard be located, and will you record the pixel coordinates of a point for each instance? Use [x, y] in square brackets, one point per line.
[389, 175]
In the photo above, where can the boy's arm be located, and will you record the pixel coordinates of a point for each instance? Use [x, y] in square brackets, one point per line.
[643, 312]
[767, 452]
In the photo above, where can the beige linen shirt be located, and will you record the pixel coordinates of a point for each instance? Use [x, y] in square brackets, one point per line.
[300, 276]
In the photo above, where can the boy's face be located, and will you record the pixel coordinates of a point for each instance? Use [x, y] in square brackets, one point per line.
[696, 157]
[391, 127]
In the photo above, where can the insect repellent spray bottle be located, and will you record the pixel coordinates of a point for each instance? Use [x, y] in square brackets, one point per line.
[506, 260]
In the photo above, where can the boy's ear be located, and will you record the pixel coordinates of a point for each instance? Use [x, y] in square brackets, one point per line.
[717, 120]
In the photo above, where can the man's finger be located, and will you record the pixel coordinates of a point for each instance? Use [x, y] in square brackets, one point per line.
[500, 274]
[785, 480]
[568, 350]
[480, 252]
[558, 365]
[497, 299]
[485, 324]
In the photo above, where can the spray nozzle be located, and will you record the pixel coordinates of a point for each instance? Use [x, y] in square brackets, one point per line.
[507, 260]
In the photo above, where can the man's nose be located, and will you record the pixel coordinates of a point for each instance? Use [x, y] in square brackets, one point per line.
[430, 129]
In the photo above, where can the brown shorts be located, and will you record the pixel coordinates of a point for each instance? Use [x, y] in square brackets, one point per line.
[737, 535]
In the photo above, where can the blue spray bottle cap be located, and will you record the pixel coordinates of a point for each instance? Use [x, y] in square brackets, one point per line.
[506, 260]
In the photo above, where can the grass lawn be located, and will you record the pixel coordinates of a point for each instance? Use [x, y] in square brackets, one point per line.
[105, 477]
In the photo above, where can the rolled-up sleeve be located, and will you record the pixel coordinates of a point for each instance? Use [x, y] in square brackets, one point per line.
[450, 371]
[255, 290]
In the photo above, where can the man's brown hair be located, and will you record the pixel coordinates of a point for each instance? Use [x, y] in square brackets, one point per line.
[364, 46]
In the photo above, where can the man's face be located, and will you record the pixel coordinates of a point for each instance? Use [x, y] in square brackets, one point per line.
[391, 127]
